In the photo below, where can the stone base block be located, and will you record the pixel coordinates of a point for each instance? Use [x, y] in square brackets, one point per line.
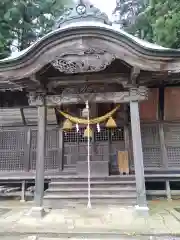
[142, 211]
[36, 212]
[98, 168]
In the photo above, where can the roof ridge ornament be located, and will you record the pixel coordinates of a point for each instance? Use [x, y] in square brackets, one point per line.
[83, 11]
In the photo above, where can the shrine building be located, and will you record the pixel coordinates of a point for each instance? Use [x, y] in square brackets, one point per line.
[132, 90]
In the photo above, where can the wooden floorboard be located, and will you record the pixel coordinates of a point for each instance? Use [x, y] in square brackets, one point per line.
[25, 175]
[19, 176]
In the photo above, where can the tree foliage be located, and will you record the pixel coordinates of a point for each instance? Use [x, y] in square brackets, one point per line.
[5, 35]
[126, 12]
[161, 22]
[157, 21]
[24, 21]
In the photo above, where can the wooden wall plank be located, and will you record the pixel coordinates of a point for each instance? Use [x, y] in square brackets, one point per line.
[171, 103]
[149, 108]
[31, 116]
[10, 117]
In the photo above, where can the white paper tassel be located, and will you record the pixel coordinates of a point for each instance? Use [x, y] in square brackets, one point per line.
[77, 127]
[98, 127]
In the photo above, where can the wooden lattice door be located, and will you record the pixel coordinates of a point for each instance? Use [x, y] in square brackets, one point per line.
[104, 146]
[52, 151]
[13, 146]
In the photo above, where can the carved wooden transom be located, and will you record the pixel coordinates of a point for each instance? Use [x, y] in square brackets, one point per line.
[89, 60]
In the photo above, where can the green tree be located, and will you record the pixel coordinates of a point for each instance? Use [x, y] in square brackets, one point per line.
[24, 21]
[126, 12]
[164, 18]
[159, 23]
[5, 35]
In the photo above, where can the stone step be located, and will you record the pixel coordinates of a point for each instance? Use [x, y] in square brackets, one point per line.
[94, 196]
[102, 188]
[69, 166]
[98, 184]
[96, 191]
[71, 188]
[56, 202]
[76, 178]
[65, 174]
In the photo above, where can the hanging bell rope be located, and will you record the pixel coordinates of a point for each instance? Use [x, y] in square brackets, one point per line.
[91, 121]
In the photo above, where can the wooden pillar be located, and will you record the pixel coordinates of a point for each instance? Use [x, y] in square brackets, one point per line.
[168, 190]
[138, 155]
[39, 183]
[23, 190]
[127, 135]
[164, 157]
[127, 147]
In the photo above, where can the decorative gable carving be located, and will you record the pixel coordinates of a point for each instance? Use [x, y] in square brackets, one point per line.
[87, 60]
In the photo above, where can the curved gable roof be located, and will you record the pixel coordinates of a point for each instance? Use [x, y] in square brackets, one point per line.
[80, 31]
[137, 53]
[147, 48]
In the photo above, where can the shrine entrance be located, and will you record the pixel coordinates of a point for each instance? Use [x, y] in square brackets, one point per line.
[85, 60]
[104, 146]
[107, 144]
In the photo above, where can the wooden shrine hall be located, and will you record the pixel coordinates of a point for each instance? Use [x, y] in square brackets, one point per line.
[43, 87]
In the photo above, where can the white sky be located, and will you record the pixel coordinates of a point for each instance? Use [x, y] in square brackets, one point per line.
[106, 6]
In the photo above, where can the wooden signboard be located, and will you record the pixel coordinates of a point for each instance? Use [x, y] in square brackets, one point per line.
[172, 103]
[123, 162]
[149, 109]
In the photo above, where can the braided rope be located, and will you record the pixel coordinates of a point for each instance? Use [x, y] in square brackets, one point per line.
[91, 121]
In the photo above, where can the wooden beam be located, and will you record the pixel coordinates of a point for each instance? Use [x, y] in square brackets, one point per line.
[34, 79]
[38, 82]
[93, 78]
[134, 75]
[135, 94]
